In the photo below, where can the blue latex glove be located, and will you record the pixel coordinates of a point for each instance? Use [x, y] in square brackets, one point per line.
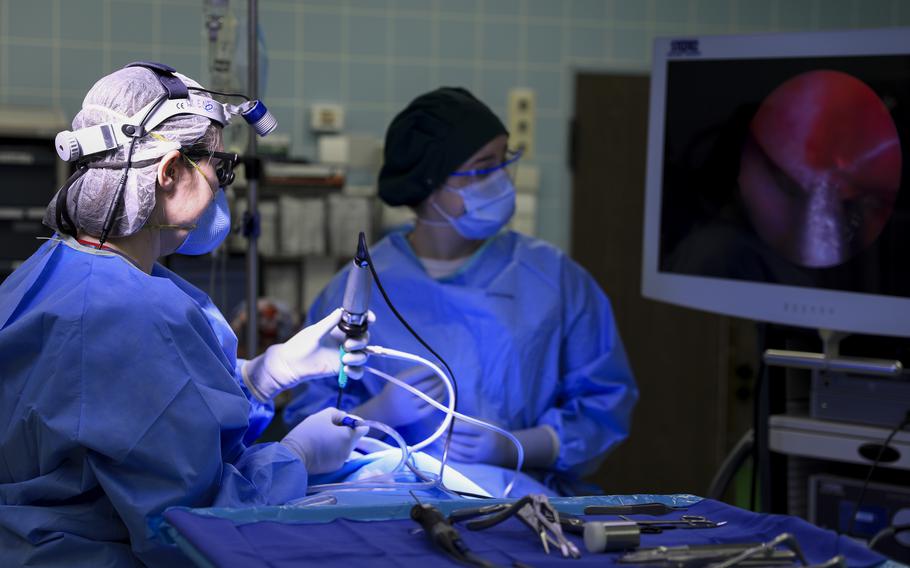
[322, 442]
[311, 354]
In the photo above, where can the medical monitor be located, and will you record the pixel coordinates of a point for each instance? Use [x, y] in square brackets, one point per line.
[777, 186]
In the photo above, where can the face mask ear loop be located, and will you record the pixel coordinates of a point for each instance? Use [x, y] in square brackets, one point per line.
[198, 169]
[64, 222]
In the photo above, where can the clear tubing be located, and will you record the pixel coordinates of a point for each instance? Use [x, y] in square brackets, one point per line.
[450, 388]
[405, 451]
[378, 480]
[311, 500]
[401, 355]
[366, 484]
[450, 412]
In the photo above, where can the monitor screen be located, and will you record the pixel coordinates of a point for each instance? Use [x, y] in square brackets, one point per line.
[776, 186]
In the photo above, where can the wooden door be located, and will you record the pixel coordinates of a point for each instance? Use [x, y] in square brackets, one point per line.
[679, 356]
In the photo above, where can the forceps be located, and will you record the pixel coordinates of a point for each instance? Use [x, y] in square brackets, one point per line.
[684, 522]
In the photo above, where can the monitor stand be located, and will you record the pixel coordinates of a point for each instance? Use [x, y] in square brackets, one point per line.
[844, 390]
[831, 360]
[850, 389]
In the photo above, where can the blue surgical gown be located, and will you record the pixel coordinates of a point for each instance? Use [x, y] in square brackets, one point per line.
[530, 337]
[119, 397]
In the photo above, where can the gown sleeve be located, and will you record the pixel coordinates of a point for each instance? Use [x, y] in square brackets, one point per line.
[261, 413]
[163, 419]
[597, 391]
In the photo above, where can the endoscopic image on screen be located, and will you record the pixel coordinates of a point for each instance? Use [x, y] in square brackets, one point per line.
[789, 171]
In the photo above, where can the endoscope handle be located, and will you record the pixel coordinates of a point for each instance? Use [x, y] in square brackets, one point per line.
[434, 523]
[446, 537]
[356, 301]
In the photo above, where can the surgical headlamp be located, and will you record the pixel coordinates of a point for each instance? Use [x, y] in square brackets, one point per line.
[176, 100]
[75, 145]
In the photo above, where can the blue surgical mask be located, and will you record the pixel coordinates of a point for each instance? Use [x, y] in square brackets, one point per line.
[488, 206]
[211, 228]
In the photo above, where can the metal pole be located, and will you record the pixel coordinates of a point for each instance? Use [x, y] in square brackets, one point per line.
[252, 255]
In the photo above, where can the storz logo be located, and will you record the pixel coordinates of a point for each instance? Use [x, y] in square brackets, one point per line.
[683, 47]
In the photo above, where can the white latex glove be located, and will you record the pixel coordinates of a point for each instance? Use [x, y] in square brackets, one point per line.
[396, 407]
[322, 443]
[311, 354]
[475, 444]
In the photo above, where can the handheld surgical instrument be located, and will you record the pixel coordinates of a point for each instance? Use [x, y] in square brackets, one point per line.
[443, 535]
[655, 509]
[684, 522]
[535, 511]
[350, 422]
[355, 305]
[722, 555]
[356, 301]
[611, 536]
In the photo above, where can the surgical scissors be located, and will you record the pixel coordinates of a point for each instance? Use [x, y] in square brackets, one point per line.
[535, 511]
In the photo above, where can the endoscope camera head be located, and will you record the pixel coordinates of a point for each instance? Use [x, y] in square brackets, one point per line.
[356, 302]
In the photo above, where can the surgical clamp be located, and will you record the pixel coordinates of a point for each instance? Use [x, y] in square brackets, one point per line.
[535, 511]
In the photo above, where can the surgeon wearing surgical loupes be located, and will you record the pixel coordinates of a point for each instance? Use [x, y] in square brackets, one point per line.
[529, 335]
[120, 390]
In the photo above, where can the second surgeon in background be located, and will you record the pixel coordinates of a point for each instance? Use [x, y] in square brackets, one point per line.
[530, 336]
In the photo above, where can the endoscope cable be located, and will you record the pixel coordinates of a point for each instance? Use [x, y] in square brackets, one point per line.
[388, 301]
[881, 451]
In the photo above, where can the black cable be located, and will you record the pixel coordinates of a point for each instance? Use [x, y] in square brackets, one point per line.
[240, 95]
[388, 302]
[109, 217]
[881, 451]
[891, 531]
[64, 222]
[757, 392]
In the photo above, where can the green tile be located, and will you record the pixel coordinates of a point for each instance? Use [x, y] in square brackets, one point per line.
[29, 18]
[413, 37]
[131, 23]
[836, 14]
[279, 27]
[81, 20]
[368, 35]
[81, 68]
[29, 67]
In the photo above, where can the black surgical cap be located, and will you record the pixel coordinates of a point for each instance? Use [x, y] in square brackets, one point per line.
[430, 139]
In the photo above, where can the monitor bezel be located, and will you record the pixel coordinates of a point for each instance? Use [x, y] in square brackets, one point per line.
[775, 303]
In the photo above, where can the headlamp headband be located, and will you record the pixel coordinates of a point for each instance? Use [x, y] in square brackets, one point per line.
[75, 145]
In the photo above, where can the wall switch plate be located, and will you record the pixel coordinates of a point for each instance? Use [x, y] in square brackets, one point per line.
[326, 117]
[522, 110]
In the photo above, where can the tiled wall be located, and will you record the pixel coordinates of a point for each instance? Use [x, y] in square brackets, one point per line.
[373, 56]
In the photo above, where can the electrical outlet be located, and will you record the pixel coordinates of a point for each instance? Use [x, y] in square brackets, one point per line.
[326, 117]
[522, 117]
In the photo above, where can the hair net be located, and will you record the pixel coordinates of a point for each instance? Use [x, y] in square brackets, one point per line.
[429, 139]
[113, 98]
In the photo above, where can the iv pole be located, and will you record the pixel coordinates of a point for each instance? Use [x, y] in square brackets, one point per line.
[252, 170]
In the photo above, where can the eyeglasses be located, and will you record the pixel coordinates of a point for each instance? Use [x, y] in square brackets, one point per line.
[467, 177]
[224, 169]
